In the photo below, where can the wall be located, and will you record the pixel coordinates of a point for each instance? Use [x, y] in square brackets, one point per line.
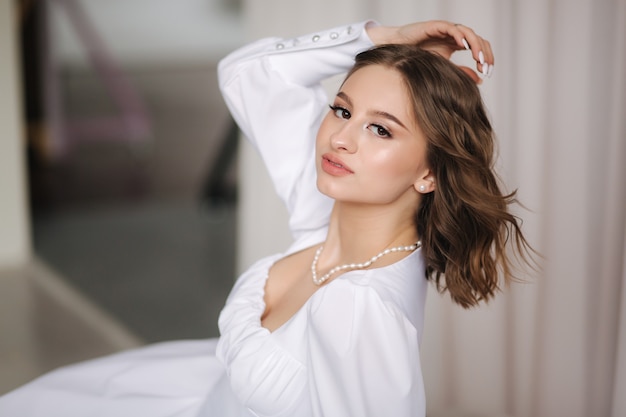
[145, 32]
[14, 225]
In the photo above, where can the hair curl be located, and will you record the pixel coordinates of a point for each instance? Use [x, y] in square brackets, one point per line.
[464, 225]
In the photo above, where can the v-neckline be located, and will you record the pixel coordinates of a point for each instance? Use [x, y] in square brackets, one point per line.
[278, 257]
[264, 287]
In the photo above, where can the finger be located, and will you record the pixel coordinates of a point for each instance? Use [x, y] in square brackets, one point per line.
[468, 39]
[486, 65]
[481, 49]
[478, 51]
[481, 64]
[483, 56]
[474, 41]
[457, 32]
[442, 29]
[460, 36]
[489, 57]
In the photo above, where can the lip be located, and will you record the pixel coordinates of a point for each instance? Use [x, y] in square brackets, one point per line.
[335, 166]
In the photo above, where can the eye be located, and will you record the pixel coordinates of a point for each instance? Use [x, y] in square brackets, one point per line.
[340, 112]
[379, 130]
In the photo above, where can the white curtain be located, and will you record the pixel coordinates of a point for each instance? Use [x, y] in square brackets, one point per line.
[554, 345]
[549, 347]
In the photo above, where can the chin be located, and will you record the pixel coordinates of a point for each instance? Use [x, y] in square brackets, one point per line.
[324, 189]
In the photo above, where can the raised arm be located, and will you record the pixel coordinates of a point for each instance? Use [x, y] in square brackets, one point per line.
[272, 88]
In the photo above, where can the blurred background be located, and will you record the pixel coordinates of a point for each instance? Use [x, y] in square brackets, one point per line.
[131, 171]
[129, 187]
[128, 205]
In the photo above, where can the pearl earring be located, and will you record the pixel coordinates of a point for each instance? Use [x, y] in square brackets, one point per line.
[422, 188]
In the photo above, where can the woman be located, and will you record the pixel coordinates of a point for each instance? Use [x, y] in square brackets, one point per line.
[391, 184]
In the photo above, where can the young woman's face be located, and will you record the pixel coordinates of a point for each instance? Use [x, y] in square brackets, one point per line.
[369, 148]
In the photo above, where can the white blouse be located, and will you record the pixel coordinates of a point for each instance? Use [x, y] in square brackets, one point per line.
[353, 347]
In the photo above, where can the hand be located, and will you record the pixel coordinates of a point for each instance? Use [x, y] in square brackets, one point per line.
[441, 37]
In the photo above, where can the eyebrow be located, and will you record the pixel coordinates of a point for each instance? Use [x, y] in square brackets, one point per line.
[384, 114]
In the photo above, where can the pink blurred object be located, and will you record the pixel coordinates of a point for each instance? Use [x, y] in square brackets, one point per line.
[131, 124]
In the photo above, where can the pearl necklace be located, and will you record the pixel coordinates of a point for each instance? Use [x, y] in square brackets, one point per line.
[363, 265]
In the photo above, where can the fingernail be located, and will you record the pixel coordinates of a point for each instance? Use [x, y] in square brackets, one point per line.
[485, 69]
[481, 57]
[465, 44]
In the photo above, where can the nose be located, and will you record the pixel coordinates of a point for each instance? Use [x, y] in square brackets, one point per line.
[344, 138]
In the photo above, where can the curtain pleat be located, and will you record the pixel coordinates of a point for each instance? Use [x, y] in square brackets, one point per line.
[557, 103]
[607, 148]
[617, 362]
[619, 382]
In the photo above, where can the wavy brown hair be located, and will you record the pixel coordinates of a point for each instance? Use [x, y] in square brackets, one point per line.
[465, 224]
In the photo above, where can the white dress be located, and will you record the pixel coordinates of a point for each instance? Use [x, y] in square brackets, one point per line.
[353, 347]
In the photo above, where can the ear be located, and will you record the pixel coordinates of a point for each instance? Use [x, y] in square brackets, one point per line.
[426, 183]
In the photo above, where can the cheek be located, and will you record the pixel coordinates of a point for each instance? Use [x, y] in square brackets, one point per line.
[398, 163]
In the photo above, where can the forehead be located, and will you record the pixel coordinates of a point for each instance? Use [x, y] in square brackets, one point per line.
[379, 88]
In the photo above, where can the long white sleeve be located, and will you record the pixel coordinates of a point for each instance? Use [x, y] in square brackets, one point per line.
[272, 88]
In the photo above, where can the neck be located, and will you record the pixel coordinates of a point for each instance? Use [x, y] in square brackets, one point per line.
[359, 231]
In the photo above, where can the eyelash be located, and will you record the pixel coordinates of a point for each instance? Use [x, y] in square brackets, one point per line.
[343, 110]
[380, 130]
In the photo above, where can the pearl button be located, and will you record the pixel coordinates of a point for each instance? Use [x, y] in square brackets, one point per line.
[334, 35]
[316, 38]
[280, 46]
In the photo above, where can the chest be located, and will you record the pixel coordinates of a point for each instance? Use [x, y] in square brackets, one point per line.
[288, 287]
